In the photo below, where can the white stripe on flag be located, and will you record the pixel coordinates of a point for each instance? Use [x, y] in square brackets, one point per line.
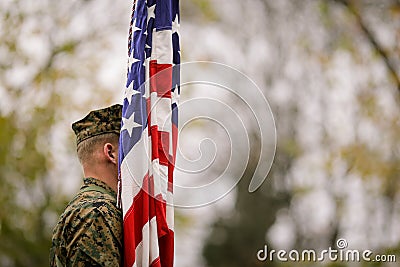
[148, 245]
[164, 115]
[162, 47]
[155, 171]
[161, 112]
[160, 175]
[147, 78]
[170, 211]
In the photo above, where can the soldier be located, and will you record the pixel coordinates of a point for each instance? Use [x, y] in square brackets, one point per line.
[89, 232]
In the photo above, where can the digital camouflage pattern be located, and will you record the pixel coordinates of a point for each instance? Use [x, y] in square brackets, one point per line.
[101, 121]
[89, 232]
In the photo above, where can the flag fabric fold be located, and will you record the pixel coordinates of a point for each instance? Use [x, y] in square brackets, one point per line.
[148, 138]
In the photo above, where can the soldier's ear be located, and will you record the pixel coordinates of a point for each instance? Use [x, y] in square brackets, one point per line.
[110, 152]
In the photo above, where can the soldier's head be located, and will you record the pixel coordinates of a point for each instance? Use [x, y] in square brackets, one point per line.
[97, 137]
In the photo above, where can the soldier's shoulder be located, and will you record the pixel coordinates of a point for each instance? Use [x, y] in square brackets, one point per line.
[88, 205]
[93, 202]
[85, 217]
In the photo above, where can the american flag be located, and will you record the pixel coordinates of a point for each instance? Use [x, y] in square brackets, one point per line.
[148, 137]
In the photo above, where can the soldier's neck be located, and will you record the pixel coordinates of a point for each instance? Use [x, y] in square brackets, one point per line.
[103, 174]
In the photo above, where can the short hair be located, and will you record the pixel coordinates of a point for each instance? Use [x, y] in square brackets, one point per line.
[88, 147]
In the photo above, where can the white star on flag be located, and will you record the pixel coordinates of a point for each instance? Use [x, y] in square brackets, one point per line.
[129, 124]
[175, 94]
[129, 92]
[150, 13]
[175, 25]
[134, 27]
[132, 60]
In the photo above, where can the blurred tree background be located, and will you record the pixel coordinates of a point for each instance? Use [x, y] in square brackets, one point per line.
[329, 68]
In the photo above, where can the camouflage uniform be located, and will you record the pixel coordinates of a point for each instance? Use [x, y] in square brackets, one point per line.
[89, 232]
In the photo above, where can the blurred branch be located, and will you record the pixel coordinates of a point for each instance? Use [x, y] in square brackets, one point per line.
[68, 47]
[372, 39]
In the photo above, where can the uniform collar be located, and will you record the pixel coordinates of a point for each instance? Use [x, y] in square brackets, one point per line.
[88, 181]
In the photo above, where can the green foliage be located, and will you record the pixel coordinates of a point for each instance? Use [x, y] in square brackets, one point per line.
[200, 9]
[23, 166]
[206, 9]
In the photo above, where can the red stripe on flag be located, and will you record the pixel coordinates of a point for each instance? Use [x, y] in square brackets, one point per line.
[171, 167]
[170, 176]
[162, 82]
[163, 147]
[156, 263]
[161, 211]
[154, 141]
[166, 244]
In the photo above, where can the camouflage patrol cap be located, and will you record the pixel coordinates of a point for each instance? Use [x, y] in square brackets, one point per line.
[101, 121]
